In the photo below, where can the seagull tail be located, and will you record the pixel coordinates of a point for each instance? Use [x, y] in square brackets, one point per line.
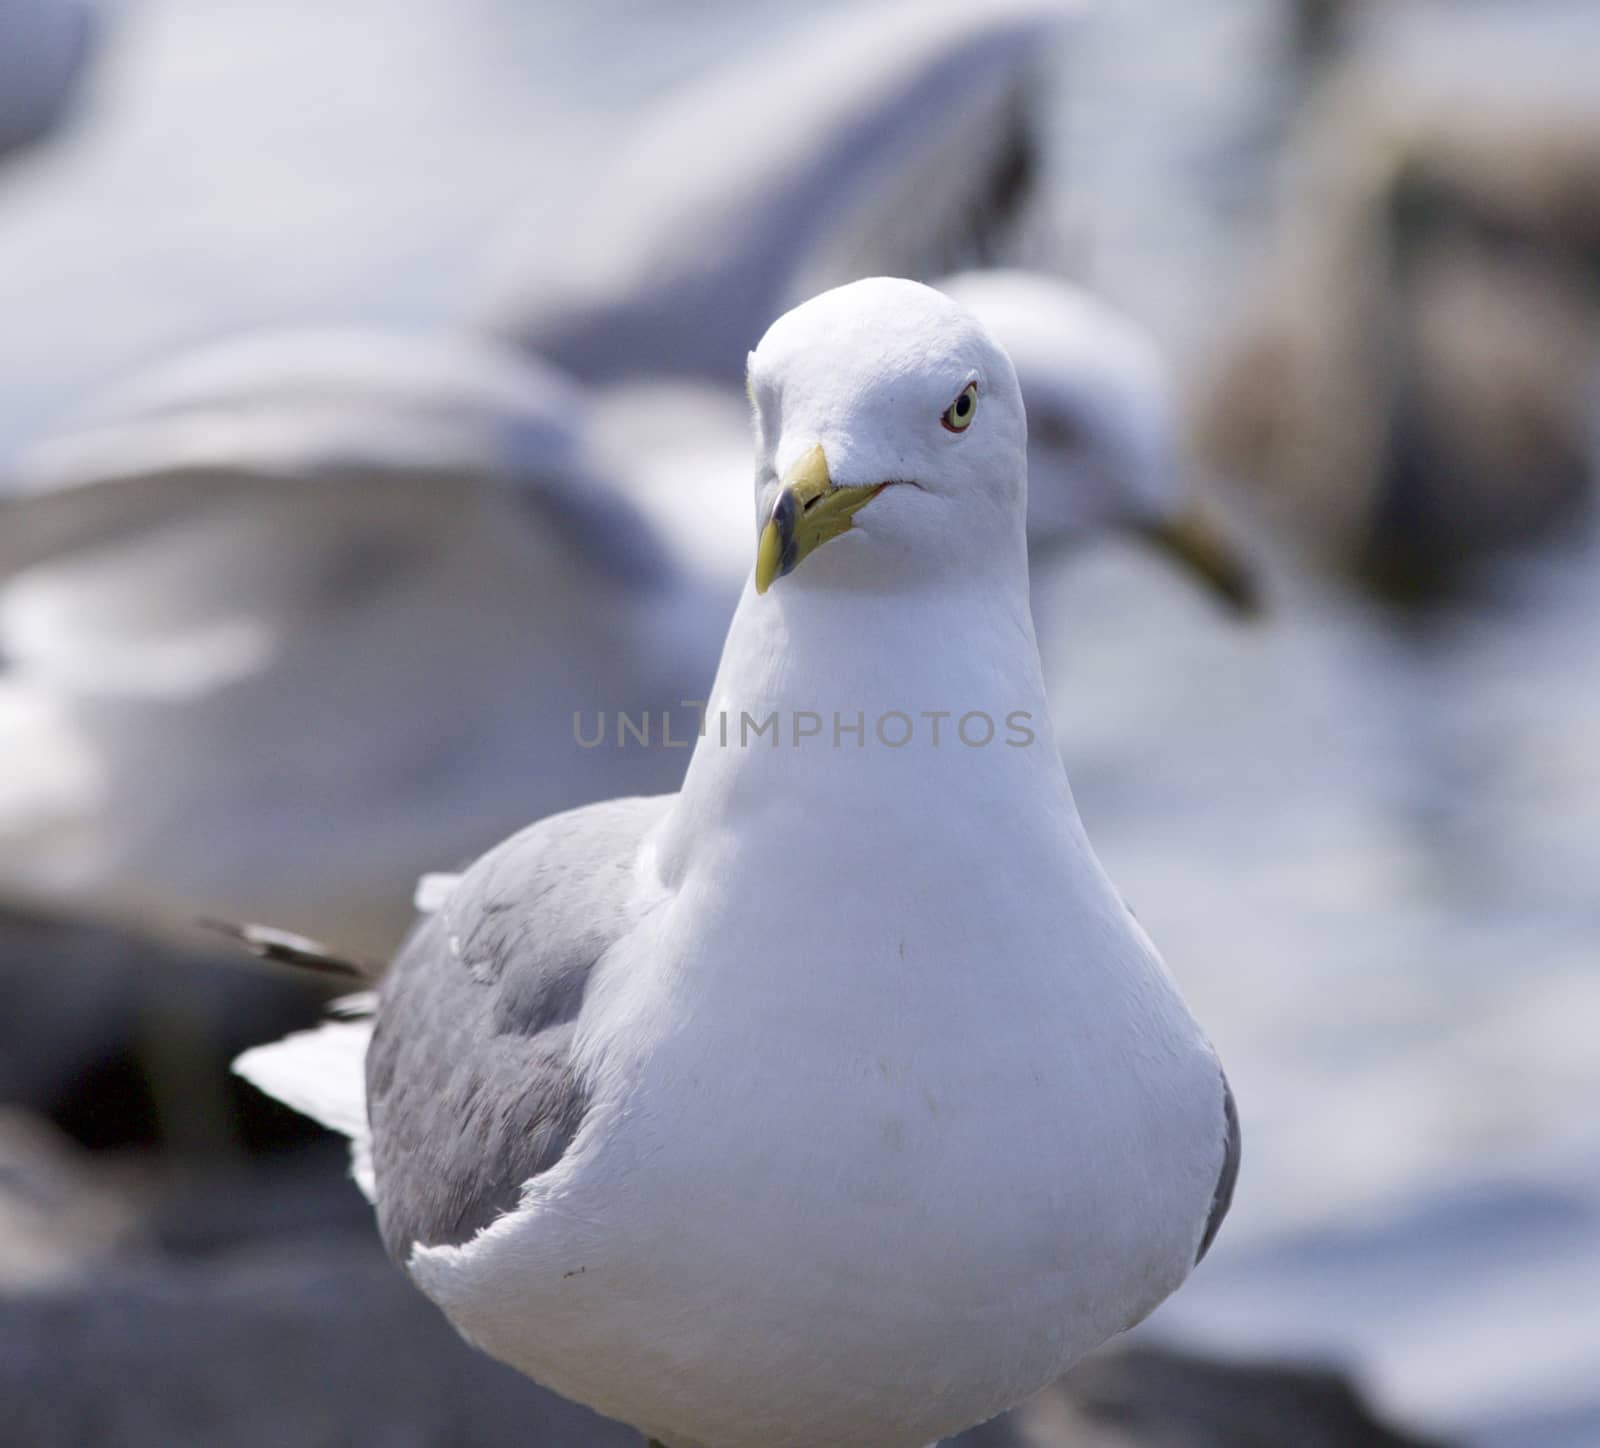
[322, 1073]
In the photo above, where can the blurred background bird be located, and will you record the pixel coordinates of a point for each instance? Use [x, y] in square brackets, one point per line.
[372, 405]
[47, 46]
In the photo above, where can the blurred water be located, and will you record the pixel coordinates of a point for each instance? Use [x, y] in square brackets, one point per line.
[1367, 848]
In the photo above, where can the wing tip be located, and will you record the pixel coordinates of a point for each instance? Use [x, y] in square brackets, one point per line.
[284, 947]
[1222, 1198]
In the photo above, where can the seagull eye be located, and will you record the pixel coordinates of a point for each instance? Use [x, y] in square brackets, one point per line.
[958, 416]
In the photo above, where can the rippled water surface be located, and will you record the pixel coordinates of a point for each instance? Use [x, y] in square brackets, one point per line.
[1367, 845]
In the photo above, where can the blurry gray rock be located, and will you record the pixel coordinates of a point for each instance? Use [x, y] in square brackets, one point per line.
[121, 1041]
[320, 1343]
[62, 1214]
[320, 1346]
[1150, 1397]
[67, 994]
[198, 1208]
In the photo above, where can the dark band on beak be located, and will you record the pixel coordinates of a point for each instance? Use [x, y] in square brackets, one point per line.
[785, 515]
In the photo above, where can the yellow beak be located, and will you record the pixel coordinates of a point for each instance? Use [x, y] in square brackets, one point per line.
[810, 510]
[1199, 545]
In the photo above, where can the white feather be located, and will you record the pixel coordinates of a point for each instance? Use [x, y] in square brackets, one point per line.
[433, 893]
[322, 1074]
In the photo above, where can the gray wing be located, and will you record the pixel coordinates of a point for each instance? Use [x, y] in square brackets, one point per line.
[1222, 1198]
[382, 428]
[471, 1088]
[904, 144]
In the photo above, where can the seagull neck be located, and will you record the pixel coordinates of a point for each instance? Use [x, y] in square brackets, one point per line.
[861, 717]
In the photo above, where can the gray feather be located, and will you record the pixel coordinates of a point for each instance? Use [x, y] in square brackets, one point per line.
[471, 1086]
[390, 428]
[286, 948]
[1222, 1198]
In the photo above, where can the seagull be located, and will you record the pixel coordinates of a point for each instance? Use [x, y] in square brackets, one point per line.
[44, 46]
[836, 1100]
[904, 138]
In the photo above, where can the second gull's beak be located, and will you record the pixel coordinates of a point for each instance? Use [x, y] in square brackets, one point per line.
[810, 510]
[1198, 544]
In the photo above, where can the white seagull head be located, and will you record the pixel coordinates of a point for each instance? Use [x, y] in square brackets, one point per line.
[884, 411]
